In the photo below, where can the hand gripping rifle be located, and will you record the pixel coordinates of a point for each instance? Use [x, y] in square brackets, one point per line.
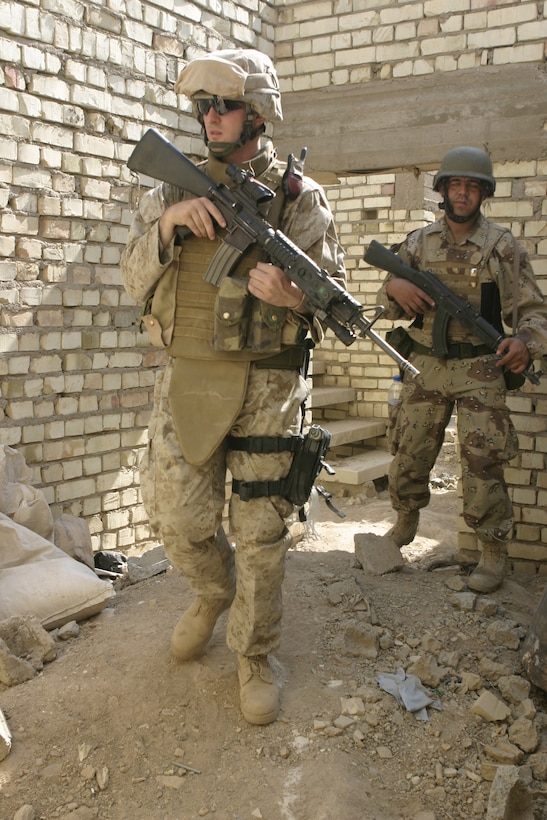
[331, 304]
[448, 304]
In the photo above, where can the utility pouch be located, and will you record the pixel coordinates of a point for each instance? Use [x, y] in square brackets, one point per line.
[232, 307]
[265, 327]
[400, 340]
[513, 381]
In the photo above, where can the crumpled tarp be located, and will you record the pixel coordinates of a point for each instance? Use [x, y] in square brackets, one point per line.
[409, 691]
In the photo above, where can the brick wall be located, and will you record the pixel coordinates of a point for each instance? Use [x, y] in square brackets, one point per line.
[79, 83]
[334, 43]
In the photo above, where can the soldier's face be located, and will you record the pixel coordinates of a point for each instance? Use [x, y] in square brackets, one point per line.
[224, 127]
[464, 195]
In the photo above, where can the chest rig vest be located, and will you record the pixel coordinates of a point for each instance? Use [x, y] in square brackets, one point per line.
[463, 269]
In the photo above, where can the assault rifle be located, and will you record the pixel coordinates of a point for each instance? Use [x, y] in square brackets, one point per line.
[325, 298]
[448, 304]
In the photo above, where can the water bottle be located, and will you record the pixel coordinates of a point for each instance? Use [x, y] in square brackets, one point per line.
[394, 397]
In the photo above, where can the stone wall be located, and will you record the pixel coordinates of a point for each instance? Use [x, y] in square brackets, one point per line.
[79, 84]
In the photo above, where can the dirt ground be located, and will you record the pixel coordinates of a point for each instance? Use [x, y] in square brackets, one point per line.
[114, 729]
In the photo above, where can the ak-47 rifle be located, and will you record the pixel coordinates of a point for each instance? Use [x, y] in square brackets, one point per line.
[448, 304]
[325, 298]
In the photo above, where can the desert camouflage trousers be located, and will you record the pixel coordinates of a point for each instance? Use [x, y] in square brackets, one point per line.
[486, 439]
[185, 507]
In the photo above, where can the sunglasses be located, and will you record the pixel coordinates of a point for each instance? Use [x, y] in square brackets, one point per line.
[220, 106]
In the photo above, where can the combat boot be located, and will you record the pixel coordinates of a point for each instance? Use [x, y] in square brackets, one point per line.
[195, 628]
[405, 528]
[491, 569]
[258, 689]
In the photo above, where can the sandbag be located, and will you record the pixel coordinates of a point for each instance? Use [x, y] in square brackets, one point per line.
[25, 504]
[71, 534]
[38, 577]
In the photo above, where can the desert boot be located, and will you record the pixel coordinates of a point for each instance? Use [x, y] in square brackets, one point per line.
[491, 569]
[405, 528]
[195, 627]
[258, 689]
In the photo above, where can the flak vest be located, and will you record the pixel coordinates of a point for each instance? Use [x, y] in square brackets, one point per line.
[213, 334]
[464, 270]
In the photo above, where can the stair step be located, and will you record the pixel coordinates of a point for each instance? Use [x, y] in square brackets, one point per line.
[348, 430]
[325, 396]
[359, 469]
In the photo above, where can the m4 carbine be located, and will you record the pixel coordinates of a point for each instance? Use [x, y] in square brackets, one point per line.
[325, 298]
[448, 304]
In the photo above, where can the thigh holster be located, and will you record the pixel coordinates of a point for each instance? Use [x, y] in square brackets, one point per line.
[308, 461]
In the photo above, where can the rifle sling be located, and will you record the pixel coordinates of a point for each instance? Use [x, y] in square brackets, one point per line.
[516, 274]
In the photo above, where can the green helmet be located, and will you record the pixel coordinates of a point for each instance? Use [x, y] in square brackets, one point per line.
[466, 161]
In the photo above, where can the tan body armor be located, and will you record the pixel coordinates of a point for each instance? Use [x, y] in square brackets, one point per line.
[213, 334]
[194, 319]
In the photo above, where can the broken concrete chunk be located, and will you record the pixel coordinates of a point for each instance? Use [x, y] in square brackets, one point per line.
[491, 708]
[376, 553]
[13, 670]
[505, 753]
[510, 797]
[26, 638]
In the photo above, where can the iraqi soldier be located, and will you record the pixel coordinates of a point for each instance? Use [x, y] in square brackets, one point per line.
[233, 384]
[483, 264]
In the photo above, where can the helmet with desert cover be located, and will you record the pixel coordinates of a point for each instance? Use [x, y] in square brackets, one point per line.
[233, 75]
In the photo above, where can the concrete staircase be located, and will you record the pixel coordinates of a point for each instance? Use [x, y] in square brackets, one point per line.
[358, 451]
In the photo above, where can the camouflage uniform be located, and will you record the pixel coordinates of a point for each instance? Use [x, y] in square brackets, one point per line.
[183, 472]
[480, 270]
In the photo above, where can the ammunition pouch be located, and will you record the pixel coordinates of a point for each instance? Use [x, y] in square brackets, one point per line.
[513, 381]
[232, 309]
[242, 322]
[401, 341]
[309, 452]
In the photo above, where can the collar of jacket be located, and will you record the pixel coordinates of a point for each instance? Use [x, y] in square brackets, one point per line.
[479, 236]
[258, 165]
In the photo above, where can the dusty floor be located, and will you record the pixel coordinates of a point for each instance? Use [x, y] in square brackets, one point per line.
[114, 729]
